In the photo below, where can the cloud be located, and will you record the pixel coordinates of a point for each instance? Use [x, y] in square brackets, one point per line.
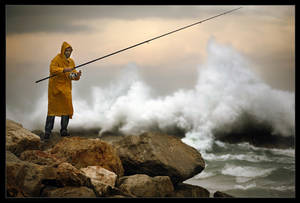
[64, 19]
[28, 19]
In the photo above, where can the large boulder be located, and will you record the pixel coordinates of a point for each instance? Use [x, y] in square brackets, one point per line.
[98, 173]
[14, 167]
[82, 152]
[103, 180]
[40, 157]
[141, 185]
[68, 175]
[68, 192]
[186, 190]
[158, 154]
[26, 179]
[19, 139]
[22, 178]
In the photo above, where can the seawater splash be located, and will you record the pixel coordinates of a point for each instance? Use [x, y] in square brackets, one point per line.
[226, 89]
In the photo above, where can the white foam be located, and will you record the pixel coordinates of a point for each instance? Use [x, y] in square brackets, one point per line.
[225, 89]
[240, 179]
[287, 153]
[245, 187]
[283, 188]
[247, 171]
[243, 157]
[204, 175]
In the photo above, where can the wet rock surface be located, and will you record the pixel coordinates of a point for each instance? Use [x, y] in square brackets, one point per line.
[158, 154]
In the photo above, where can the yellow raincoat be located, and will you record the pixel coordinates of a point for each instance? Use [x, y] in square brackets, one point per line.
[60, 86]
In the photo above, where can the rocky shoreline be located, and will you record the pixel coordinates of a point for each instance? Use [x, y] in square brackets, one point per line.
[148, 165]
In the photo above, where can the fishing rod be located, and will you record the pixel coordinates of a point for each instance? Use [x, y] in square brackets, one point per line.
[146, 41]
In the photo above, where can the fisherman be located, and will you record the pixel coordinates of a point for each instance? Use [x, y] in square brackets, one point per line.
[60, 90]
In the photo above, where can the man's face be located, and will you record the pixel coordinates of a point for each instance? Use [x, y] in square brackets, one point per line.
[68, 52]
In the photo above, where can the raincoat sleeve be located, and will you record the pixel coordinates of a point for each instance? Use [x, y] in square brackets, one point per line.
[54, 68]
[74, 71]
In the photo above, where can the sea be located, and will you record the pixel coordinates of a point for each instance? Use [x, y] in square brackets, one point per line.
[245, 171]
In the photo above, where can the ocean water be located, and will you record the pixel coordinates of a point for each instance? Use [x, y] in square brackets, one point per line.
[243, 170]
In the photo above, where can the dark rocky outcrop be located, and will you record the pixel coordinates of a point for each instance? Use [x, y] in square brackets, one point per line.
[158, 154]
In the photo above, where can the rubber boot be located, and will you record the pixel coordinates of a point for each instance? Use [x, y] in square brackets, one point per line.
[64, 125]
[49, 126]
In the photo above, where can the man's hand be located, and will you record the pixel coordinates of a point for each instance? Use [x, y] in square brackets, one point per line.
[78, 75]
[67, 70]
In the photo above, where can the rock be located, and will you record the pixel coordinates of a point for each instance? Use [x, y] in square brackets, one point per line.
[28, 179]
[11, 157]
[102, 179]
[82, 152]
[13, 191]
[38, 133]
[13, 188]
[51, 142]
[141, 185]
[71, 192]
[117, 196]
[40, 157]
[111, 137]
[158, 154]
[68, 175]
[91, 132]
[22, 178]
[186, 190]
[117, 192]
[221, 194]
[19, 139]
[101, 189]
[97, 173]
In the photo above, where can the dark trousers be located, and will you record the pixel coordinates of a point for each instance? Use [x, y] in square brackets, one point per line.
[64, 121]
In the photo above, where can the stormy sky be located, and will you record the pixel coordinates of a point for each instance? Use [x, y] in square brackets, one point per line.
[264, 35]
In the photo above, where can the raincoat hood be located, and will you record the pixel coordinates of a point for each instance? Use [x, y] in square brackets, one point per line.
[63, 48]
